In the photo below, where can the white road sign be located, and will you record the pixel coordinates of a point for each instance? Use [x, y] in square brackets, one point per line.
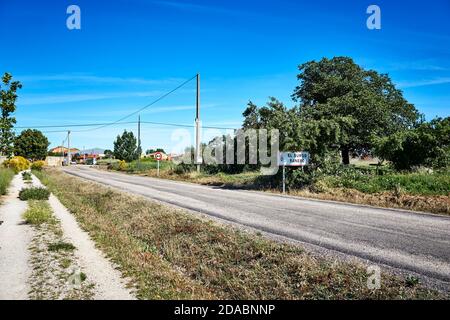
[293, 159]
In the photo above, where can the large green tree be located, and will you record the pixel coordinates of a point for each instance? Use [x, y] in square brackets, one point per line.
[125, 147]
[426, 145]
[31, 144]
[338, 90]
[8, 97]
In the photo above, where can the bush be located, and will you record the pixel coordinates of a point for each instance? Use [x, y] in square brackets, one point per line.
[37, 165]
[122, 165]
[26, 176]
[17, 164]
[6, 176]
[34, 193]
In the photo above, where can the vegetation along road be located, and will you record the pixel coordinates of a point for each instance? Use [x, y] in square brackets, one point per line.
[405, 240]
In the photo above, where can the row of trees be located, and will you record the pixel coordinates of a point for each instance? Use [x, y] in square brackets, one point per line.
[30, 144]
[344, 109]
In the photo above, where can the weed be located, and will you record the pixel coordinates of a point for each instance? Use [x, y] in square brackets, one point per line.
[34, 193]
[38, 212]
[58, 246]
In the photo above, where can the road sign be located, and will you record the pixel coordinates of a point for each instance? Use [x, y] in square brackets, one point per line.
[158, 156]
[293, 159]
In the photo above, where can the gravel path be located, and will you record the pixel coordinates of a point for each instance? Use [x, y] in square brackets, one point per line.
[15, 237]
[109, 284]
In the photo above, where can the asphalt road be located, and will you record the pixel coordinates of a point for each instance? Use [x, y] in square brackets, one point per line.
[413, 242]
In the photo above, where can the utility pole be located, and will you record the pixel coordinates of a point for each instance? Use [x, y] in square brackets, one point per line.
[139, 142]
[198, 159]
[68, 148]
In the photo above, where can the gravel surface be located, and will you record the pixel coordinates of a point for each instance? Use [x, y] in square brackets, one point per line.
[15, 237]
[108, 281]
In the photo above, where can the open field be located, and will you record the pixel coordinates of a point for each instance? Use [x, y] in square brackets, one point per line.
[171, 254]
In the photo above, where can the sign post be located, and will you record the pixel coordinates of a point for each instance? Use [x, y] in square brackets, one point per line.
[292, 159]
[158, 157]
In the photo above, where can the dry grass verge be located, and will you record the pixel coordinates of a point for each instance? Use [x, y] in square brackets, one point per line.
[171, 254]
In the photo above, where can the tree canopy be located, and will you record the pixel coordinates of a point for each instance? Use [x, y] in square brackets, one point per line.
[339, 90]
[8, 97]
[125, 147]
[31, 144]
[426, 145]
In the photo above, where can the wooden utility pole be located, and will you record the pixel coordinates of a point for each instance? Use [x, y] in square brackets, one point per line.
[198, 159]
[68, 148]
[139, 142]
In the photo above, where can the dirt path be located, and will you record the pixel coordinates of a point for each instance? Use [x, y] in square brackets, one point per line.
[109, 284]
[15, 237]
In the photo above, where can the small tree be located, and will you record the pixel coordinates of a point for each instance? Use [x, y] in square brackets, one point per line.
[108, 153]
[125, 147]
[8, 99]
[31, 144]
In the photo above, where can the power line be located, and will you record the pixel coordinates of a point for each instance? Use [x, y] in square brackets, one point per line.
[113, 123]
[144, 107]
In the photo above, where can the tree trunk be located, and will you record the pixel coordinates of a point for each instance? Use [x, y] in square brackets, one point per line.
[345, 156]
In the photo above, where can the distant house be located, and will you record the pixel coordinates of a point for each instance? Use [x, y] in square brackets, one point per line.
[63, 150]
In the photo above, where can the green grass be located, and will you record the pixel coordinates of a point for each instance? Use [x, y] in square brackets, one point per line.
[410, 183]
[6, 175]
[170, 254]
[61, 246]
[38, 212]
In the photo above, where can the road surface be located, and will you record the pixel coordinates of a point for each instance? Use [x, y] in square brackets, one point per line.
[413, 242]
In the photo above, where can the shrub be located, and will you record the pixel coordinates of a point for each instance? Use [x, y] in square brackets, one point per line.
[34, 193]
[17, 164]
[6, 176]
[37, 165]
[38, 212]
[26, 176]
[122, 165]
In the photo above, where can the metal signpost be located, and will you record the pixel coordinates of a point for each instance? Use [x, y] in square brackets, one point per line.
[292, 159]
[158, 157]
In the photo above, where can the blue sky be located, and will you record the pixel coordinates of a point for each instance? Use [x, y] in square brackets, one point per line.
[129, 52]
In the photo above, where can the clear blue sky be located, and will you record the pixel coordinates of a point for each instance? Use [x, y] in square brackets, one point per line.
[128, 52]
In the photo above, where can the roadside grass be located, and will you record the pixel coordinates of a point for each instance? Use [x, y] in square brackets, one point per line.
[38, 212]
[6, 175]
[171, 254]
[409, 183]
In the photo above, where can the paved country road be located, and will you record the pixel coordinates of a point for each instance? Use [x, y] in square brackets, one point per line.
[413, 242]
